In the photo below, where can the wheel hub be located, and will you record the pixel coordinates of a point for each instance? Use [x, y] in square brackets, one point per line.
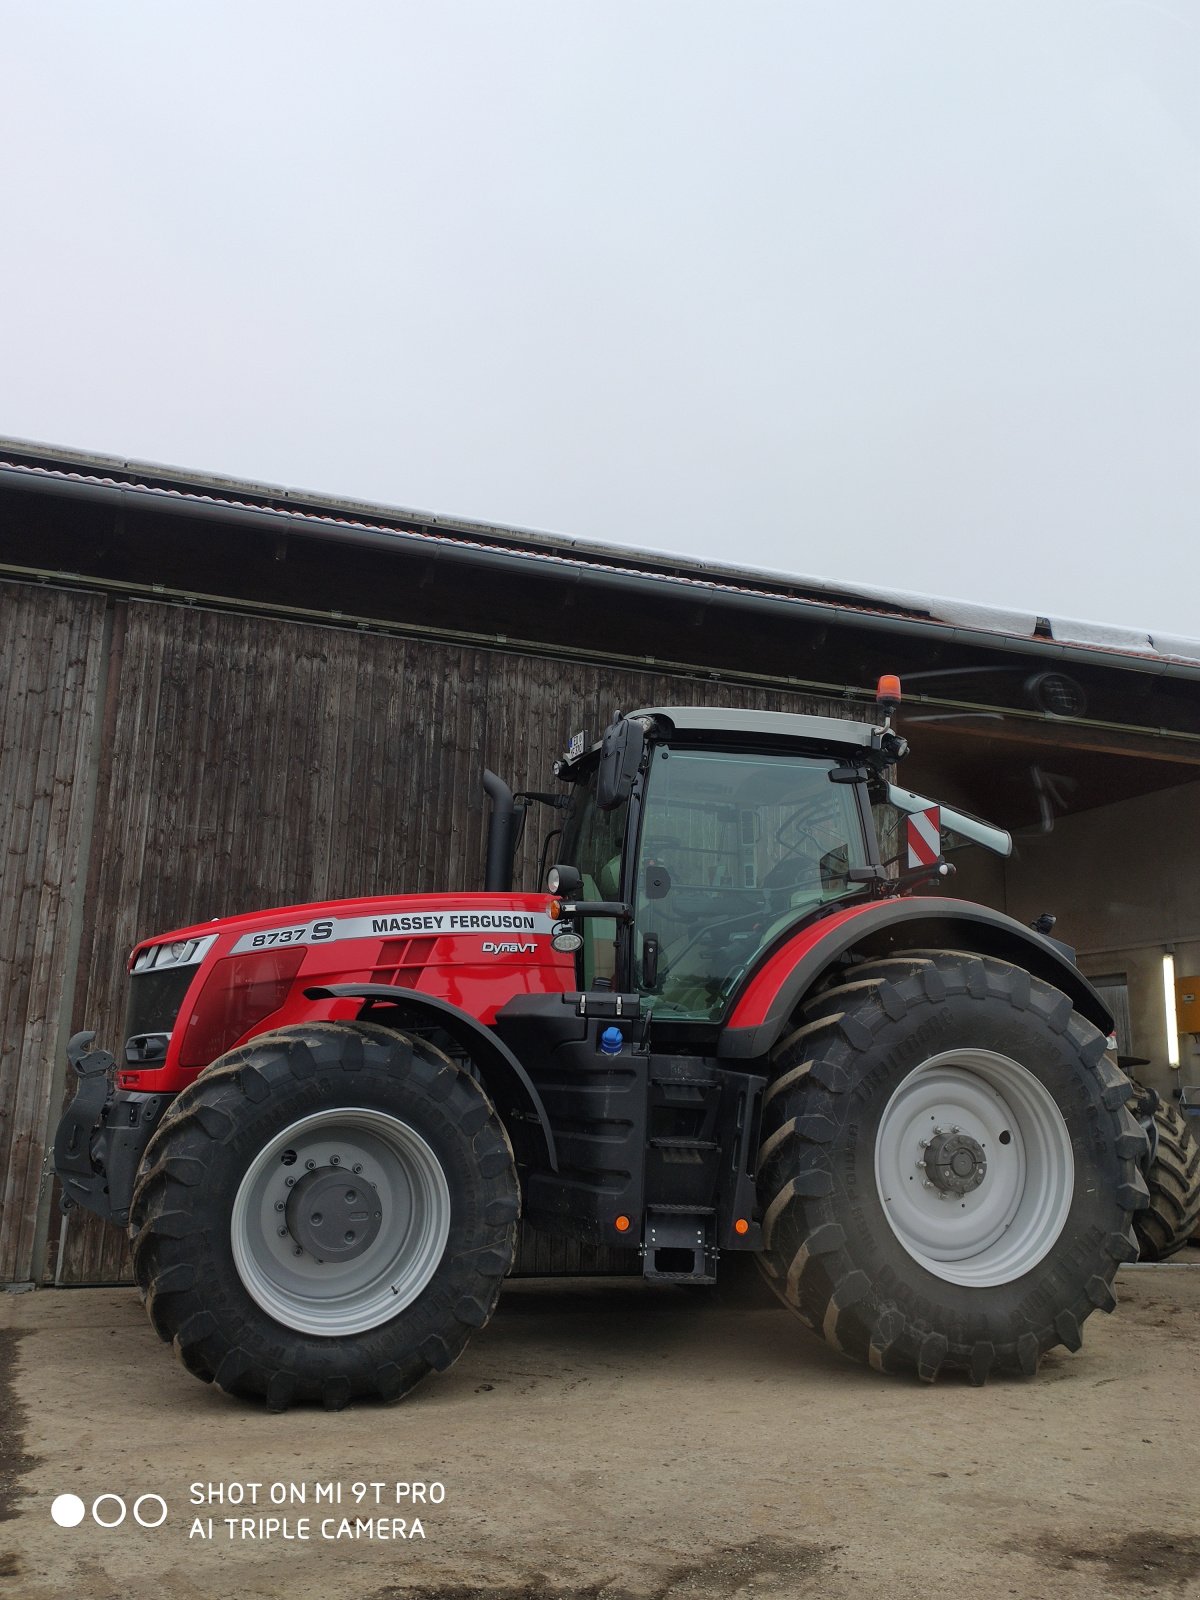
[333, 1215]
[960, 1117]
[954, 1162]
[293, 1256]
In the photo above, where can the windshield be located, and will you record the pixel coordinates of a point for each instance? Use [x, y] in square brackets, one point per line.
[735, 848]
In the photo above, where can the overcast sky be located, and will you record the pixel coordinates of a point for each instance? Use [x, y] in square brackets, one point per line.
[900, 293]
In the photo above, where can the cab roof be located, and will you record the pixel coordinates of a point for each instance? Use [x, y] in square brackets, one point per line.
[768, 724]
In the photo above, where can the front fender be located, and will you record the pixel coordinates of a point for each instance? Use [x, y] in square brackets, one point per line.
[521, 1109]
[785, 977]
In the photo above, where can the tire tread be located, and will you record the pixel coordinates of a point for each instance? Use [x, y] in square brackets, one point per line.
[804, 1258]
[168, 1214]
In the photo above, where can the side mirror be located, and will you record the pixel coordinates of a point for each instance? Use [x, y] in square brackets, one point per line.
[620, 756]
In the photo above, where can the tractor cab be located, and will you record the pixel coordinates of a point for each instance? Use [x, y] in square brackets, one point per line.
[695, 837]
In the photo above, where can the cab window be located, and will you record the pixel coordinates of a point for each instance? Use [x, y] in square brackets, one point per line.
[735, 848]
[593, 841]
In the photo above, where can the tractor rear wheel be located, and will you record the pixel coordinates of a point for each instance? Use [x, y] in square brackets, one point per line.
[326, 1213]
[948, 1170]
[1173, 1215]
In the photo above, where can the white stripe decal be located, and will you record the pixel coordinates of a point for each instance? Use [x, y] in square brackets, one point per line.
[395, 924]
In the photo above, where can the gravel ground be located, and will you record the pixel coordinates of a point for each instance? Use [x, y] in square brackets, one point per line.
[607, 1441]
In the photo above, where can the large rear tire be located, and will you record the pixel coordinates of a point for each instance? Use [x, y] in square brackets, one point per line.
[1173, 1178]
[327, 1213]
[948, 1170]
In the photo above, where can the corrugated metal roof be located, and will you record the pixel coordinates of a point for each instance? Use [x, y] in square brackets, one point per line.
[316, 511]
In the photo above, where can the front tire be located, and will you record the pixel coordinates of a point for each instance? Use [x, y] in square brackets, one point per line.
[948, 1170]
[327, 1213]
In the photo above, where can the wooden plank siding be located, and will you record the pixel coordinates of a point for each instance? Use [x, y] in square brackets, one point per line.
[50, 660]
[245, 762]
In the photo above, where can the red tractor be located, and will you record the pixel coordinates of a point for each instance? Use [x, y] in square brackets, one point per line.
[728, 1024]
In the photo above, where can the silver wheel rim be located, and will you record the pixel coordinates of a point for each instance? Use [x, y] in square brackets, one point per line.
[408, 1200]
[1024, 1184]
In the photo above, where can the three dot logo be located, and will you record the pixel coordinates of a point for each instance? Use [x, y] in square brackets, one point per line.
[109, 1510]
[68, 1510]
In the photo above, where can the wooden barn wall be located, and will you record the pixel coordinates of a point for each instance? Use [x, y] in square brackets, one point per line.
[247, 762]
[51, 657]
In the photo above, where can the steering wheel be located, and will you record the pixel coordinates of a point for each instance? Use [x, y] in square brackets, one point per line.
[789, 874]
[720, 932]
[691, 905]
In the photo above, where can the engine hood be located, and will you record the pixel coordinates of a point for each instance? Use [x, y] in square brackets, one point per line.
[324, 921]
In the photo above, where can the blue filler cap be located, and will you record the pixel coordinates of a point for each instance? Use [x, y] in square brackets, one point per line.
[611, 1041]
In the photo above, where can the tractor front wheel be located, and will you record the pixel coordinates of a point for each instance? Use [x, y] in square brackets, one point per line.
[948, 1171]
[326, 1213]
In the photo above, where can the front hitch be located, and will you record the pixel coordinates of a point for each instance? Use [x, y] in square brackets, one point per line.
[81, 1122]
[102, 1135]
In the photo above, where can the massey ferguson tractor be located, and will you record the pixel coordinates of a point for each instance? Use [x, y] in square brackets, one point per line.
[735, 1019]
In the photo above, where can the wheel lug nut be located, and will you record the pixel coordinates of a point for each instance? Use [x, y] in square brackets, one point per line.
[310, 1165]
[283, 1233]
[279, 1205]
[298, 1251]
[928, 1185]
[289, 1182]
[358, 1166]
[336, 1161]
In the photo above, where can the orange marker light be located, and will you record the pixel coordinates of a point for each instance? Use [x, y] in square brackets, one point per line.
[556, 909]
[621, 1224]
[741, 1226]
[888, 688]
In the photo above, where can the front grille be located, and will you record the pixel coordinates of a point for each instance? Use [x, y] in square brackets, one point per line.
[155, 999]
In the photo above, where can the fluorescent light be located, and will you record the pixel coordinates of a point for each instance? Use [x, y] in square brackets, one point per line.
[1169, 1003]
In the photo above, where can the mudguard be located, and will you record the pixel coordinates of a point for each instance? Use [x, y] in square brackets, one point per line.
[498, 1068]
[780, 983]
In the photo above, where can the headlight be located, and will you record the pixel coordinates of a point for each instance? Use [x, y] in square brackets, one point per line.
[182, 953]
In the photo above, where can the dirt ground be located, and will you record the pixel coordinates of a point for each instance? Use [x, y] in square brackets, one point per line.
[606, 1441]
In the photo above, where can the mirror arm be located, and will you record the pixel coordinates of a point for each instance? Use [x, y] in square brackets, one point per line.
[620, 909]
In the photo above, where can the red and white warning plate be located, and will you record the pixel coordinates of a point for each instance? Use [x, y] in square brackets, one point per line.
[924, 837]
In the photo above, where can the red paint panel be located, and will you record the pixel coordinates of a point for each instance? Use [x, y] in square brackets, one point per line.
[478, 970]
[756, 998]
